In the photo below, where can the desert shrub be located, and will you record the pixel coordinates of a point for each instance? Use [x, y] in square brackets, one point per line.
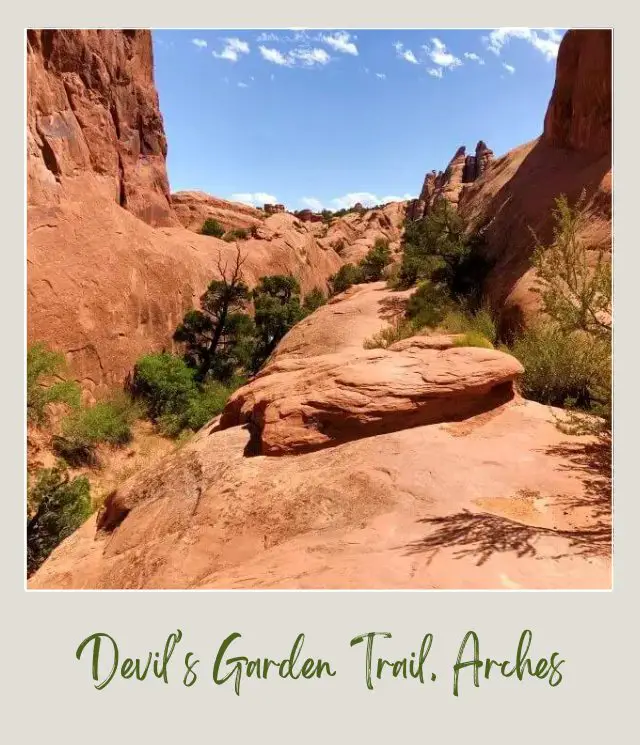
[344, 278]
[564, 369]
[377, 258]
[575, 290]
[434, 246]
[313, 300]
[567, 358]
[462, 321]
[237, 234]
[212, 227]
[203, 405]
[107, 422]
[277, 305]
[220, 336]
[44, 364]
[473, 339]
[164, 383]
[401, 329]
[429, 305]
[60, 505]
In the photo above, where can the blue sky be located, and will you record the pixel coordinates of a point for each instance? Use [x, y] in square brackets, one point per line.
[315, 118]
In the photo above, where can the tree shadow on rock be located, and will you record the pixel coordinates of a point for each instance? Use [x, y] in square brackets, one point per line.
[480, 535]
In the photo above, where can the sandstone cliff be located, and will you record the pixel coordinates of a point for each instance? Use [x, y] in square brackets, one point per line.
[112, 266]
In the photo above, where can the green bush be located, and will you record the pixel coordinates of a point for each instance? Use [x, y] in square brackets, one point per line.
[212, 227]
[204, 405]
[461, 321]
[238, 234]
[107, 422]
[473, 339]
[344, 278]
[314, 300]
[389, 335]
[42, 365]
[429, 305]
[164, 382]
[373, 264]
[564, 369]
[60, 505]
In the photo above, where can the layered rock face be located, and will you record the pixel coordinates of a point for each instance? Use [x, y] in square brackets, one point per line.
[579, 113]
[462, 169]
[192, 208]
[92, 108]
[114, 261]
[489, 497]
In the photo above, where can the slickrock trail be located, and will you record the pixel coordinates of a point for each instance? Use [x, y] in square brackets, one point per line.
[501, 499]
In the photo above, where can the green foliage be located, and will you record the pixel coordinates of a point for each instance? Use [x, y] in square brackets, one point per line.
[60, 505]
[218, 337]
[164, 382]
[576, 291]
[373, 264]
[276, 301]
[571, 370]
[42, 365]
[435, 245]
[461, 321]
[202, 406]
[401, 329]
[429, 305]
[212, 227]
[567, 358]
[473, 339]
[237, 234]
[107, 422]
[173, 398]
[344, 278]
[313, 300]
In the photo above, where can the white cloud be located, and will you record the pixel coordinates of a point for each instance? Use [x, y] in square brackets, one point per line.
[310, 57]
[302, 56]
[267, 36]
[312, 203]
[509, 68]
[405, 54]
[381, 75]
[474, 57]
[273, 55]
[233, 48]
[366, 198]
[340, 41]
[439, 55]
[242, 85]
[436, 72]
[255, 199]
[200, 43]
[546, 40]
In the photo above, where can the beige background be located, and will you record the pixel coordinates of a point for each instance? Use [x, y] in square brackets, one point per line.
[49, 696]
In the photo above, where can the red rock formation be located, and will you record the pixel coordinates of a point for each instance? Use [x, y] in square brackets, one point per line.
[272, 209]
[192, 208]
[517, 193]
[462, 170]
[579, 113]
[104, 286]
[92, 108]
[360, 514]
